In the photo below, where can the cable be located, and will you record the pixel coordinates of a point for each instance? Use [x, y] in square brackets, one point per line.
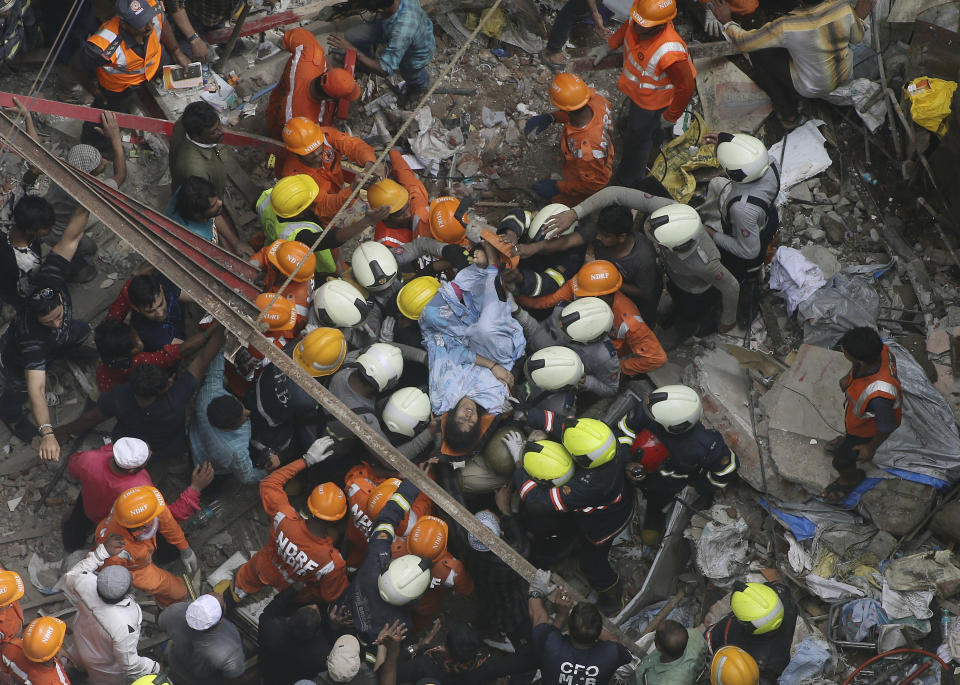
[386, 151]
[815, 408]
[902, 650]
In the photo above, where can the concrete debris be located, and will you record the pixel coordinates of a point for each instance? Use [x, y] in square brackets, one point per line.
[897, 506]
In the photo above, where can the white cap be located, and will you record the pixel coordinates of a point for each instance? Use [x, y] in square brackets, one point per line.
[343, 661]
[130, 453]
[491, 523]
[204, 612]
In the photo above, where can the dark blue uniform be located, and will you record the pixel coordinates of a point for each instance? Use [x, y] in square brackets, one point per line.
[563, 664]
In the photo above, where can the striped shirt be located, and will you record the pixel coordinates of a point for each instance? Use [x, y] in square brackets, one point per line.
[818, 40]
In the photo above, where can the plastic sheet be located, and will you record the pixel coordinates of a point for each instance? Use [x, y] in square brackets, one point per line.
[846, 302]
[794, 276]
[722, 550]
[924, 572]
[930, 103]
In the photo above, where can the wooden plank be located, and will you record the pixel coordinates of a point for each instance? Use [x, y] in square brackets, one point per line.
[27, 534]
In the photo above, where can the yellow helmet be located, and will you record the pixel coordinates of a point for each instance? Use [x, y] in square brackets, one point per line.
[590, 442]
[155, 679]
[293, 194]
[387, 192]
[759, 606]
[415, 295]
[733, 666]
[321, 351]
[547, 461]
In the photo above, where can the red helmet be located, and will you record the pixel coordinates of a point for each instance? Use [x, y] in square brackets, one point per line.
[651, 452]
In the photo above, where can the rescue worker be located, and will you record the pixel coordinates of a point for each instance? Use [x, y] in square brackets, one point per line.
[872, 398]
[583, 326]
[408, 201]
[302, 547]
[125, 53]
[406, 414]
[307, 88]
[281, 259]
[733, 666]
[138, 515]
[659, 78]
[339, 304]
[106, 629]
[553, 376]
[540, 274]
[11, 615]
[282, 414]
[748, 213]
[595, 491]
[317, 151]
[283, 322]
[286, 212]
[762, 623]
[33, 660]
[383, 589]
[374, 268]
[586, 142]
[666, 428]
[447, 241]
[636, 344]
[18, 27]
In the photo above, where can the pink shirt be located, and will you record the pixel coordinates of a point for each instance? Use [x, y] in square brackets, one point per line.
[100, 485]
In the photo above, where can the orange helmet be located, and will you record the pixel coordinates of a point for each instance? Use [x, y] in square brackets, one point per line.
[428, 538]
[649, 13]
[443, 224]
[339, 83]
[327, 502]
[43, 638]
[596, 278]
[281, 315]
[287, 254]
[138, 506]
[11, 587]
[302, 136]
[569, 92]
[378, 500]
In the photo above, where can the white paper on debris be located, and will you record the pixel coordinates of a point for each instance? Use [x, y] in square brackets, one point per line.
[794, 276]
[805, 156]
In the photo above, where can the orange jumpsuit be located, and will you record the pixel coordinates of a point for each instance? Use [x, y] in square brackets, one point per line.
[291, 98]
[299, 292]
[359, 482]
[292, 553]
[11, 621]
[329, 174]
[137, 556]
[447, 572]
[419, 207]
[25, 672]
[586, 154]
[636, 345]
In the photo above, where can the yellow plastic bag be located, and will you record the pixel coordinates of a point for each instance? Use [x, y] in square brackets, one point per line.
[678, 159]
[930, 102]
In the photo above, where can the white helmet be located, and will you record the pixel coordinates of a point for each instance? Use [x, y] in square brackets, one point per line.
[586, 319]
[675, 407]
[536, 231]
[675, 226]
[405, 580]
[382, 365]
[554, 367]
[374, 266]
[743, 157]
[340, 303]
[407, 410]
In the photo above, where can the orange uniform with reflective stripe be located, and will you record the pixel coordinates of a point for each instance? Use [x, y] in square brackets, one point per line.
[11, 621]
[859, 392]
[329, 173]
[586, 154]
[137, 556]
[447, 572]
[636, 345]
[126, 68]
[299, 292]
[644, 78]
[293, 553]
[14, 661]
[419, 207]
[291, 98]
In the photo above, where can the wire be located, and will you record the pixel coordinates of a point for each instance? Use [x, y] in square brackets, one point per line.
[358, 185]
[815, 408]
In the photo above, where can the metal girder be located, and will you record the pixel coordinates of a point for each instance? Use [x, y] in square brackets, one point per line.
[238, 316]
[252, 27]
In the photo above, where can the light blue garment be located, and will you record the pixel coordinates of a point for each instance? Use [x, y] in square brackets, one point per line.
[808, 662]
[456, 330]
[205, 228]
[228, 450]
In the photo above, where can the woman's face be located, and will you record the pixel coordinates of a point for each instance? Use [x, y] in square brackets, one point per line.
[466, 415]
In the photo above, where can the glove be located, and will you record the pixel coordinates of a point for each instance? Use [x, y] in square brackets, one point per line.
[540, 585]
[319, 450]
[387, 328]
[189, 559]
[712, 25]
[538, 124]
[457, 255]
[546, 188]
[598, 53]
[513, 441]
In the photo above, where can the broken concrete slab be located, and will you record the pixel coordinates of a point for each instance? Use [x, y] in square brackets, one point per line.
[821, 256]
[731, 100]
[897, 506]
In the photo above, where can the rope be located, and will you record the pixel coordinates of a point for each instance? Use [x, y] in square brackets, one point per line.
[53, 53]
[386, 151]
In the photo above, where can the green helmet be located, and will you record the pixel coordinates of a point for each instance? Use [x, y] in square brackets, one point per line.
[496, 455]
[547, 461]
[590, 442]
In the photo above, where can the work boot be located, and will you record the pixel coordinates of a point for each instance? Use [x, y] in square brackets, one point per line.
[747, 303]
[23, 428]
[610, 601]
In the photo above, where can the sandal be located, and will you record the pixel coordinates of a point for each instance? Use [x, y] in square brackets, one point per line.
[555, 67]
[837, 492]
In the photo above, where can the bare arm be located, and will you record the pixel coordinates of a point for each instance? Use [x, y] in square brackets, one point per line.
[87, 420]
[32, 172]
[198, 47]
[566, 242]
[111, 130]
[169, 41]
[199, 364]
[37, 392]
[538, 612]
[66, 247]
[228, 230]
